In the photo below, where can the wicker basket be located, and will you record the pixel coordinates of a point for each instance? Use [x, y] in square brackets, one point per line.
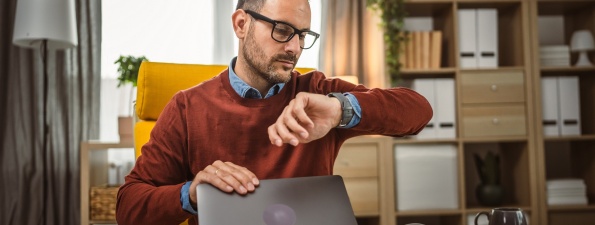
[103, 203]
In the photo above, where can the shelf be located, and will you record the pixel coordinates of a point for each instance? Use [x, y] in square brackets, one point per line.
[559, 7]
[435, 219]
[102, 222]
[425, 141]
[590, 137]
[514, 177]
[426, 2]
[442, 72]
[498, 69]
[564, 69]
[525, 209]
[494, 139]
[366, 214]
[571, 208]
[443, 212]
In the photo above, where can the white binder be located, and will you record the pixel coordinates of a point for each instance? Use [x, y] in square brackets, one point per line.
[426, 88]
[445, 108]
[549, 105]
[569, 100]
[467, 38]
[487, 38]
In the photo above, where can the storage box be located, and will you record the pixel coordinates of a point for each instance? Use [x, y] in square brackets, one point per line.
[427, 177]
[103, 203]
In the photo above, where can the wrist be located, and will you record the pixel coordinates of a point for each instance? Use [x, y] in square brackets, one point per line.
[337, 112]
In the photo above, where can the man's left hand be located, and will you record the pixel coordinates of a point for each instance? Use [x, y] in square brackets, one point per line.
[307, 117]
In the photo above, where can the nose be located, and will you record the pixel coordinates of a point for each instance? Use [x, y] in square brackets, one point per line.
[293, 45]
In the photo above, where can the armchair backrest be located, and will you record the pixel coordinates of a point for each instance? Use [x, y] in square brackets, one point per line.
[157, 84]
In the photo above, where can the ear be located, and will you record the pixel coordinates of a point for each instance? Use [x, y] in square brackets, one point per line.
[240, 23]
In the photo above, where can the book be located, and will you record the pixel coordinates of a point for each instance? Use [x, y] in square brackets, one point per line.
[436, 49]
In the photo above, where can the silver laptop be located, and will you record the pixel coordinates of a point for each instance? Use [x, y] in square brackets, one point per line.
[319, 200]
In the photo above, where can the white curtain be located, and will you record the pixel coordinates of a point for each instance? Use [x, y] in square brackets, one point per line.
[352, 42]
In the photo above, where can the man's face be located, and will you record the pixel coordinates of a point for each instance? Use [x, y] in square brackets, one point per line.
[271, 60]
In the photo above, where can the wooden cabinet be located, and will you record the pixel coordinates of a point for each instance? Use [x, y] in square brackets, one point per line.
[360, 163]
[564, 156]
[94, 172]
[498, 110]
[494, 111]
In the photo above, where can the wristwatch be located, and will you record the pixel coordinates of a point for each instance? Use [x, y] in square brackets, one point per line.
[347, 109]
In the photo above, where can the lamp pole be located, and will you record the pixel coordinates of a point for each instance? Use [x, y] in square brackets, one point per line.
[47, 25]
[44, 55]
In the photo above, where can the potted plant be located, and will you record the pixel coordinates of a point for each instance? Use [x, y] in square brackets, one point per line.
[392, 14]
[128, 67]
[489, 192]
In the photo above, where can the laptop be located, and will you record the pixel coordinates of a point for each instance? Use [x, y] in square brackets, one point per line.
[318, 200]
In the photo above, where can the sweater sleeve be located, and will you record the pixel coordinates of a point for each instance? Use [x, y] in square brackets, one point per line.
[393, 112]
[151, 192]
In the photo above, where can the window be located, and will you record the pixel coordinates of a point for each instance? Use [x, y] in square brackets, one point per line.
[181, 31]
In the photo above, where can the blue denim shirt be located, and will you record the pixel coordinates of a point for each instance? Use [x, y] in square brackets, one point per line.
[245, 91]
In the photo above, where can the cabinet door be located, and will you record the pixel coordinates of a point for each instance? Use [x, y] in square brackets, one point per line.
[500, 120]
[357, 163]
[493, 87]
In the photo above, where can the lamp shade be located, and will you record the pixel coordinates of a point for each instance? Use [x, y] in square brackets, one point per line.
[582, 40]
[51, 20]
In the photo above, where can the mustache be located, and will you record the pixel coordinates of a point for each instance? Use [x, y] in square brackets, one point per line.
[286, 57]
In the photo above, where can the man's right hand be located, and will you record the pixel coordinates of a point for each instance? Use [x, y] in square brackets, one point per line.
[227, 177]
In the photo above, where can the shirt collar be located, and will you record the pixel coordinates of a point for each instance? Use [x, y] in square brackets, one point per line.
[244, 90]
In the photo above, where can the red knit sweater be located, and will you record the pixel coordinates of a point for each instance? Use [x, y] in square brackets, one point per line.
[212, 122]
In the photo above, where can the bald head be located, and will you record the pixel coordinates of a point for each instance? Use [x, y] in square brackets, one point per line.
[253, 5]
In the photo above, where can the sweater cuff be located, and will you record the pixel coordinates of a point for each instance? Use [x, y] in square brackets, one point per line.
[356, 108]
[185, 199]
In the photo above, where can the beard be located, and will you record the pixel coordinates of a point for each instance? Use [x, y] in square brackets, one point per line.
[256, 59]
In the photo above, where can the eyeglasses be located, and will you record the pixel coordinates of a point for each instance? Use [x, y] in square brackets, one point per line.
[283, 32]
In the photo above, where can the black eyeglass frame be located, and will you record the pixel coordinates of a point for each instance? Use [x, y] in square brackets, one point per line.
[259, 16]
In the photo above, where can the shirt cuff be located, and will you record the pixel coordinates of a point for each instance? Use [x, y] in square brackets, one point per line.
[356, 108]
[185, 199]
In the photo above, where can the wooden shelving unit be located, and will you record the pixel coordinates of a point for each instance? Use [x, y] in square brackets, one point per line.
[528, 158]
[565, 156]
[513, 107]
[477, 106]
[94, 172]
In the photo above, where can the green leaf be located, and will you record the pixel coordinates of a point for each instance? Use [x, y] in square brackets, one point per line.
[128, 68]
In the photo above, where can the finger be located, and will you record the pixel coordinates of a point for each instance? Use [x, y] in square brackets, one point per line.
[274, 136]
[235, 178]
[301, 118]
[248, 173]
[242, 175]
[211, 178]
[281, 128]
[284, 133]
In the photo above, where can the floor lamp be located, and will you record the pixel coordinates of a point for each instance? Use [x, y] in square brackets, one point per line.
[47, 25]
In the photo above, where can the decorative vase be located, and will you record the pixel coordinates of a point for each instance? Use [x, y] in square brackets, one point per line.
[125, 129]
[489, 194]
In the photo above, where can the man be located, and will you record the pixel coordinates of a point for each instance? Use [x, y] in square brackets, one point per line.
[258, 120]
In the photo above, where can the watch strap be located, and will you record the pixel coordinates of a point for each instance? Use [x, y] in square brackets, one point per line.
[346, 108]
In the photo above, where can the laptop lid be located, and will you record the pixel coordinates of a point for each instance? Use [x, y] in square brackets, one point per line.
[319, 200]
